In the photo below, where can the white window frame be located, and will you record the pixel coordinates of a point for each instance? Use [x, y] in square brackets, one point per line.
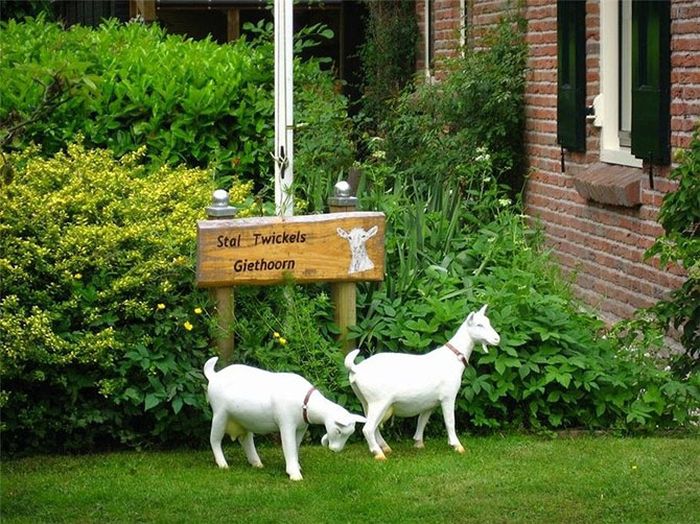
[609, 104]
[428, 44]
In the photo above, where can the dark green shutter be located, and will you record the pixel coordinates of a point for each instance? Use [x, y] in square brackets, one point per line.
[571, 74]
[651, 82]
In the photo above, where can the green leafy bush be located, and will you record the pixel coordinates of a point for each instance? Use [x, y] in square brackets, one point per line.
[324, 149]
[123, 86]
[680, 216]
[290, 328]
[555, 367]
[102, 335]
[437, 131]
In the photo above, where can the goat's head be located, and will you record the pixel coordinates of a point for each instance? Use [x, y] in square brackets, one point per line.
[339, 430]
[357, 236]
[479, 328]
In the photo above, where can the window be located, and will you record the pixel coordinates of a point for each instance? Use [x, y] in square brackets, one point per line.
[632, 108]
[624, 54]
[615, 103]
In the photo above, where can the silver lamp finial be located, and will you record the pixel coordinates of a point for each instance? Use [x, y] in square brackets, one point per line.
[220, 207]
[342, 195]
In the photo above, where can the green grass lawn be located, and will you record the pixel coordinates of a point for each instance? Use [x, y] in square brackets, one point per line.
[499, 479]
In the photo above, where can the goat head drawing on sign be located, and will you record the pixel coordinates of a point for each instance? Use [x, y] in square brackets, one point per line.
[357, 238]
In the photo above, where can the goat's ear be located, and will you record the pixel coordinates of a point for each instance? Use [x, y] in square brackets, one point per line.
[359, 418]
[470, 319]
[483, 309]
[342, 232]
[372, 231]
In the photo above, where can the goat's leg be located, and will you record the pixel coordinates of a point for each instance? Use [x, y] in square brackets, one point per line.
[300, 436]
[218, 430]
[248, 445]
[448, 413]
[375, 415]
[382, 443]
[420, 427]
[291, 451]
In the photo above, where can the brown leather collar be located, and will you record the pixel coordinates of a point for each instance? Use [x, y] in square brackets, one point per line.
[305, 405]
[460, 356]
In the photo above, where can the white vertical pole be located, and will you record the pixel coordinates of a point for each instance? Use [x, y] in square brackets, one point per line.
[462, 25]
[426, 37]
[284, 108]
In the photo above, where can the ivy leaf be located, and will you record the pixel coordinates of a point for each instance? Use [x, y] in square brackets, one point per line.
[151, 401]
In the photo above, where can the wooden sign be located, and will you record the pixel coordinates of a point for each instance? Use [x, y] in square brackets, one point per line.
[333, 247]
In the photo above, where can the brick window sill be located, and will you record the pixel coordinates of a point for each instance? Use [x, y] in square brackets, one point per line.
[610, 184]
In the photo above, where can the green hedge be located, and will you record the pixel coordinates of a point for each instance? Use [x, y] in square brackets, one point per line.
[126, 85]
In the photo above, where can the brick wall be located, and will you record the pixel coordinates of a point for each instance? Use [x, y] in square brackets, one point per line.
[602, 244]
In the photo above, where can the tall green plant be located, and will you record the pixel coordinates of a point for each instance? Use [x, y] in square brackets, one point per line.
[437, 131]
[388, 55]
[680, 217]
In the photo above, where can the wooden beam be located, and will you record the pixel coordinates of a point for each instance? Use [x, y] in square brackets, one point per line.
[233, 24]
[144, 8]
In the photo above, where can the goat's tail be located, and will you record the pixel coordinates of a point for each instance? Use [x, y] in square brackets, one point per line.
[350, 360]
[209, 371]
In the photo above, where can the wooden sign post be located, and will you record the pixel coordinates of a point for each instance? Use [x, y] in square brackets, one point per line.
[342, 247]
[344, 294]
[223, 295]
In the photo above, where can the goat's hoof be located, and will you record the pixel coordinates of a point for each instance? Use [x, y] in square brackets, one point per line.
[258, 465]
[459, 448]
[386, 449]
[296, 477]
[380, 456]
[418, 444]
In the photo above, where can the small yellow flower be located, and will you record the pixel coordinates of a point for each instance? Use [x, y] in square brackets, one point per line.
[160, 306]
[276, 335]
[198, 311]
[188, 326]
[78, 276]
[282, 341]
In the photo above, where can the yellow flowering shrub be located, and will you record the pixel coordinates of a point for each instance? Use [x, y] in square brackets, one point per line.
[100, 324]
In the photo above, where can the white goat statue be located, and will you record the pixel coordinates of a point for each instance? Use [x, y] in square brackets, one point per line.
[406, 385]
[246, 400]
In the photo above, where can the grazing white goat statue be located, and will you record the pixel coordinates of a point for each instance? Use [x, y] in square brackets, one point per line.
[246, 400]
[406, 385]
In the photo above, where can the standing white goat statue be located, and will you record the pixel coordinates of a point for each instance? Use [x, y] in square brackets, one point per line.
[406, 385]
[246, 400]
